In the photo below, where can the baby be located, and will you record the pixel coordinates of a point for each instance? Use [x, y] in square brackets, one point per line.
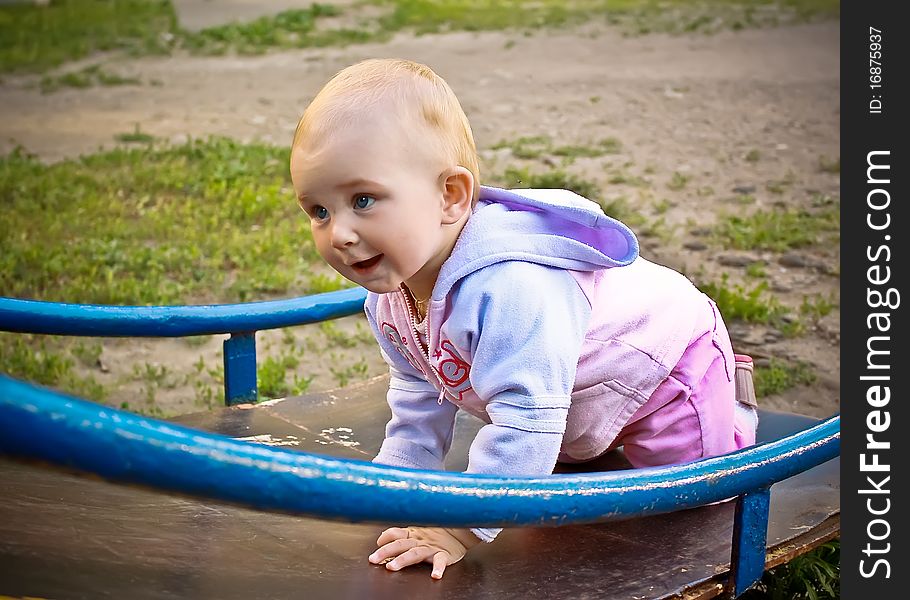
[530, 309]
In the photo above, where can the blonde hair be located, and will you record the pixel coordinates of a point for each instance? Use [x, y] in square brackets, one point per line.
[415, 91]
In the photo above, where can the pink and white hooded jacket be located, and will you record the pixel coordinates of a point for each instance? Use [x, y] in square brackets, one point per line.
[546, 324]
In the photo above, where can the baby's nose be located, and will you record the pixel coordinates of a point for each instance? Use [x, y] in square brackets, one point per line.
[343, 236]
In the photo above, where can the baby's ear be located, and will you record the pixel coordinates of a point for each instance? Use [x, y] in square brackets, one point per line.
[457, 194]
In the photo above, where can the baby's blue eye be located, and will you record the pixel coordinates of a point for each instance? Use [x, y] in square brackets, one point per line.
[320, 213]
[363, 201]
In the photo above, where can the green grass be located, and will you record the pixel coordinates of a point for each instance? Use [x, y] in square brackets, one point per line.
[608, 146]
[523, 178]
[531, 147]
[751, 305]
[288, 29]
[135, 137]
[93, 75]
[656, 228]
[678, 181]
[320, 283]
[616, 207]
[756, 270]
[154, 377]
[811, 576]
[633, 16]
[207, 221]
[336, 337]
[272, 376]
[781, 375]
[208, 384]
[639, 17]
[210, 220]
[620, 177]
[780, 230]
[527, 147]
[40, 360]
[344, 374]
[38, 38]
[433, 16]
[816, 308]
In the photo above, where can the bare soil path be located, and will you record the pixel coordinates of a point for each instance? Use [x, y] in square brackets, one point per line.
[752, 113]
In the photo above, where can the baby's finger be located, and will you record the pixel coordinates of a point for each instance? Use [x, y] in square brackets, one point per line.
[411, 557]
[391, 550]
[440, 562]
[391, 534]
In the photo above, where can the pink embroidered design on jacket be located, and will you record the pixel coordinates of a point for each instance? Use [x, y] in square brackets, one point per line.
[453, 371]
[391, 334]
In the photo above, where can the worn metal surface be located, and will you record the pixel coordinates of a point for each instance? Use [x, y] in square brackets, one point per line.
[121, 446]
[33, 316]
[778, 554]
[64, 536]
[68, 537]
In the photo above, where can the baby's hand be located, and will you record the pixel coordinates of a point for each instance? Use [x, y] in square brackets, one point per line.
[401, 547]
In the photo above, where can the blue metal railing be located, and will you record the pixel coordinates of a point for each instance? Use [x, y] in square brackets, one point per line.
[241, 321]
[63, 430]
[33, 316]
[37, 423]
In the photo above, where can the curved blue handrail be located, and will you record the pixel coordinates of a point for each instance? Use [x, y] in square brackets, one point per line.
[36, 423]
[56, 318]
[39, 424]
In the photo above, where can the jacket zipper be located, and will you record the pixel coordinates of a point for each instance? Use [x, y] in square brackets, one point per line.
[412, 313]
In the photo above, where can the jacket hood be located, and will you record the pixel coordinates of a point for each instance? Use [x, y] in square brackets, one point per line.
[551, 227]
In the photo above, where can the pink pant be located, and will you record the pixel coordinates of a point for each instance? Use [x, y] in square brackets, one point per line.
[692, 414]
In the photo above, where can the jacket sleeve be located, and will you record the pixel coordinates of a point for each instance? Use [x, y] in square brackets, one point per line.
[419, 434]
[525, 329]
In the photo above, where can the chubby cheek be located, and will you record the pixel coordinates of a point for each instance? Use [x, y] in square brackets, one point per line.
[418, 247]
[325, 250]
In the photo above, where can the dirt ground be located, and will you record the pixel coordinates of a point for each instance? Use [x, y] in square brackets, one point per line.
[732, 112]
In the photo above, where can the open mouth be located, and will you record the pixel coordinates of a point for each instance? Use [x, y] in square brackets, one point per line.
[366, 265]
